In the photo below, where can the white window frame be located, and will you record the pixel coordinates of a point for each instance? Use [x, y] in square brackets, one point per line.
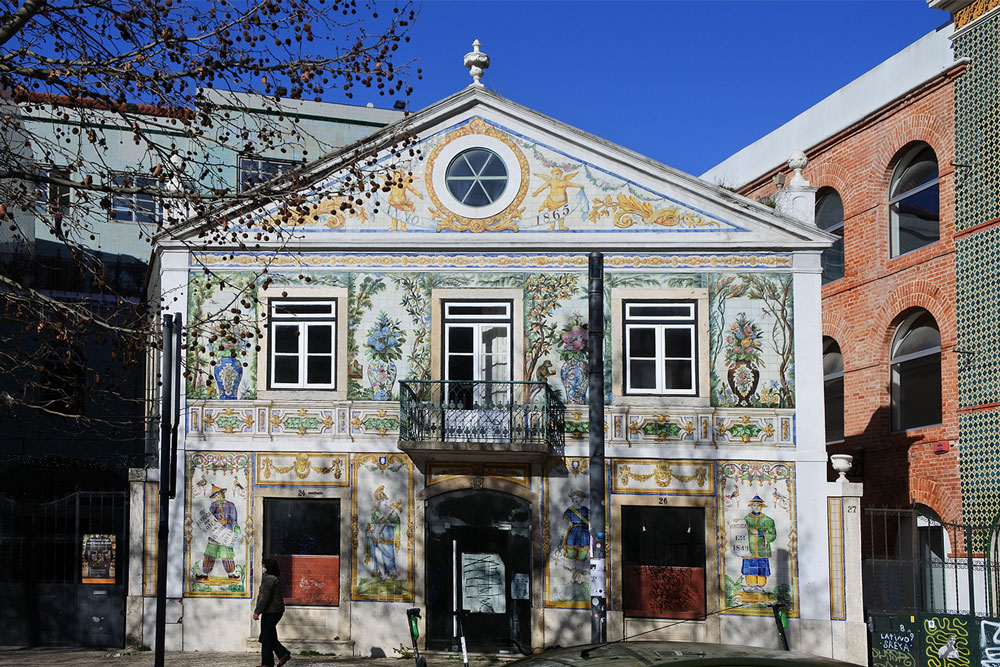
[660, 324]
[303, 322]
[478, 322]
[253, 166]
[125, 207]
[48, 191]
[699, 295]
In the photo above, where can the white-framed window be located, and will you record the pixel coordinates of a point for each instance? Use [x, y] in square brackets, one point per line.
[140, 207]
[661, 341]
[914, 202]
[302, 343]
[53, 198]
[253, 171]
[915, 372]
[477, 340]
[830, 218]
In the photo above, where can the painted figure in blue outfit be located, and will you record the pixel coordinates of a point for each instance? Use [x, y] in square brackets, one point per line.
[382, 536]
[760, 534]
[576, 540]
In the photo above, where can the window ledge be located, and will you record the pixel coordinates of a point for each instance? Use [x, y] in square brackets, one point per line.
[916, 428]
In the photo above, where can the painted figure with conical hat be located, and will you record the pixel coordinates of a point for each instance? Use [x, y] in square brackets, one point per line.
[225, 513]
[760, 534]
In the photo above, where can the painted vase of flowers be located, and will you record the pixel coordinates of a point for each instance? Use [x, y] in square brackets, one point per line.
[384, 346]
[573, 353]
[228, 371]
[743, 355]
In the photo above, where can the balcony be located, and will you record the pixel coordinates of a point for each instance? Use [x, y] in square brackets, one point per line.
[459, 420]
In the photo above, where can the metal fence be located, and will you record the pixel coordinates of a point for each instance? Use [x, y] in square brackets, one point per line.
[913, 562]
[489, 411]
[42, 548]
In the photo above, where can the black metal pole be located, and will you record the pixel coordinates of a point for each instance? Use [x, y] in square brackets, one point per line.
[166, 388]
[176, 397]
[595, 395]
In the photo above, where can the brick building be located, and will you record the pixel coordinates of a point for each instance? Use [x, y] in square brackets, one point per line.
[886, 273]
[907, 164]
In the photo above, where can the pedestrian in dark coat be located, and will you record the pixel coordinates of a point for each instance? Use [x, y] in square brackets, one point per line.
[270, 607]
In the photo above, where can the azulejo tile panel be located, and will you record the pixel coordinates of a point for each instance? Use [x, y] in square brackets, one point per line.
[980, 467]
[438, 472]
[302, 421]
[400, 261]
[662, 428]
[382, 528]
[746, 429]
[383, 422]
[301, 469]
[218, 525]
[564, 532]
[757, 537]
[652, 476]
[228, 420]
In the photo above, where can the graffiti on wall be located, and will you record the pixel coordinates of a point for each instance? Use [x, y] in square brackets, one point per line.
[989, 642]
[894, 646]
[946, 641]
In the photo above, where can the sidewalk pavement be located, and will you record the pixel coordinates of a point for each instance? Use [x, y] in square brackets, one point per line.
[84, 657]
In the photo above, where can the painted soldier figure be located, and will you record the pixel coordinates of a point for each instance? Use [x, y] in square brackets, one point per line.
[225, 513]
[576, 541]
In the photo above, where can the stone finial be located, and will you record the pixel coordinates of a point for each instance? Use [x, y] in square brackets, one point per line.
[476, 61]
[797, 162]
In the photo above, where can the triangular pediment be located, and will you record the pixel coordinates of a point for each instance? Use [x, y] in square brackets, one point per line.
[482, 165]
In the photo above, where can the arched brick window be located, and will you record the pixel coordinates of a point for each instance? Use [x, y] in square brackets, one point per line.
[833, 389]
[830, 218]
[914, 202]
[915, 372]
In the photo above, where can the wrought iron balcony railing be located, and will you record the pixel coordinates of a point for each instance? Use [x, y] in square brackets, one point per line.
[528, 416]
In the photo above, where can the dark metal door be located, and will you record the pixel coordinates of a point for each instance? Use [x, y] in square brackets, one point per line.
[479, 561]
[66, 562]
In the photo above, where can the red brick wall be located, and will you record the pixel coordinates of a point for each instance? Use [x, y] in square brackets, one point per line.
[861, 310]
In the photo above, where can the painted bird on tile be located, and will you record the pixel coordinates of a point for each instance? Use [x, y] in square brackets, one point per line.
[240, 489]
[780, 500]
[731, 498]
[201, 484]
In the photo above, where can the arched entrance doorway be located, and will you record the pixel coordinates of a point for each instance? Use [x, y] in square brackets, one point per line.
[478, 552]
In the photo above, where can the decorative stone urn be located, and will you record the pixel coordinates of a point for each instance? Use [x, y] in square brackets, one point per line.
[841, 463]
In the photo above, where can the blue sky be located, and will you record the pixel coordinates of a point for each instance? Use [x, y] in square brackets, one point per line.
[687, 83]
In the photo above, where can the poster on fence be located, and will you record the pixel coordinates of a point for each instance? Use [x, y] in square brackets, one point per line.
[98, 559]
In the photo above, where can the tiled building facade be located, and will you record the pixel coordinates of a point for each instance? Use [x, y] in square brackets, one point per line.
[412, 427]
[977, 246]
